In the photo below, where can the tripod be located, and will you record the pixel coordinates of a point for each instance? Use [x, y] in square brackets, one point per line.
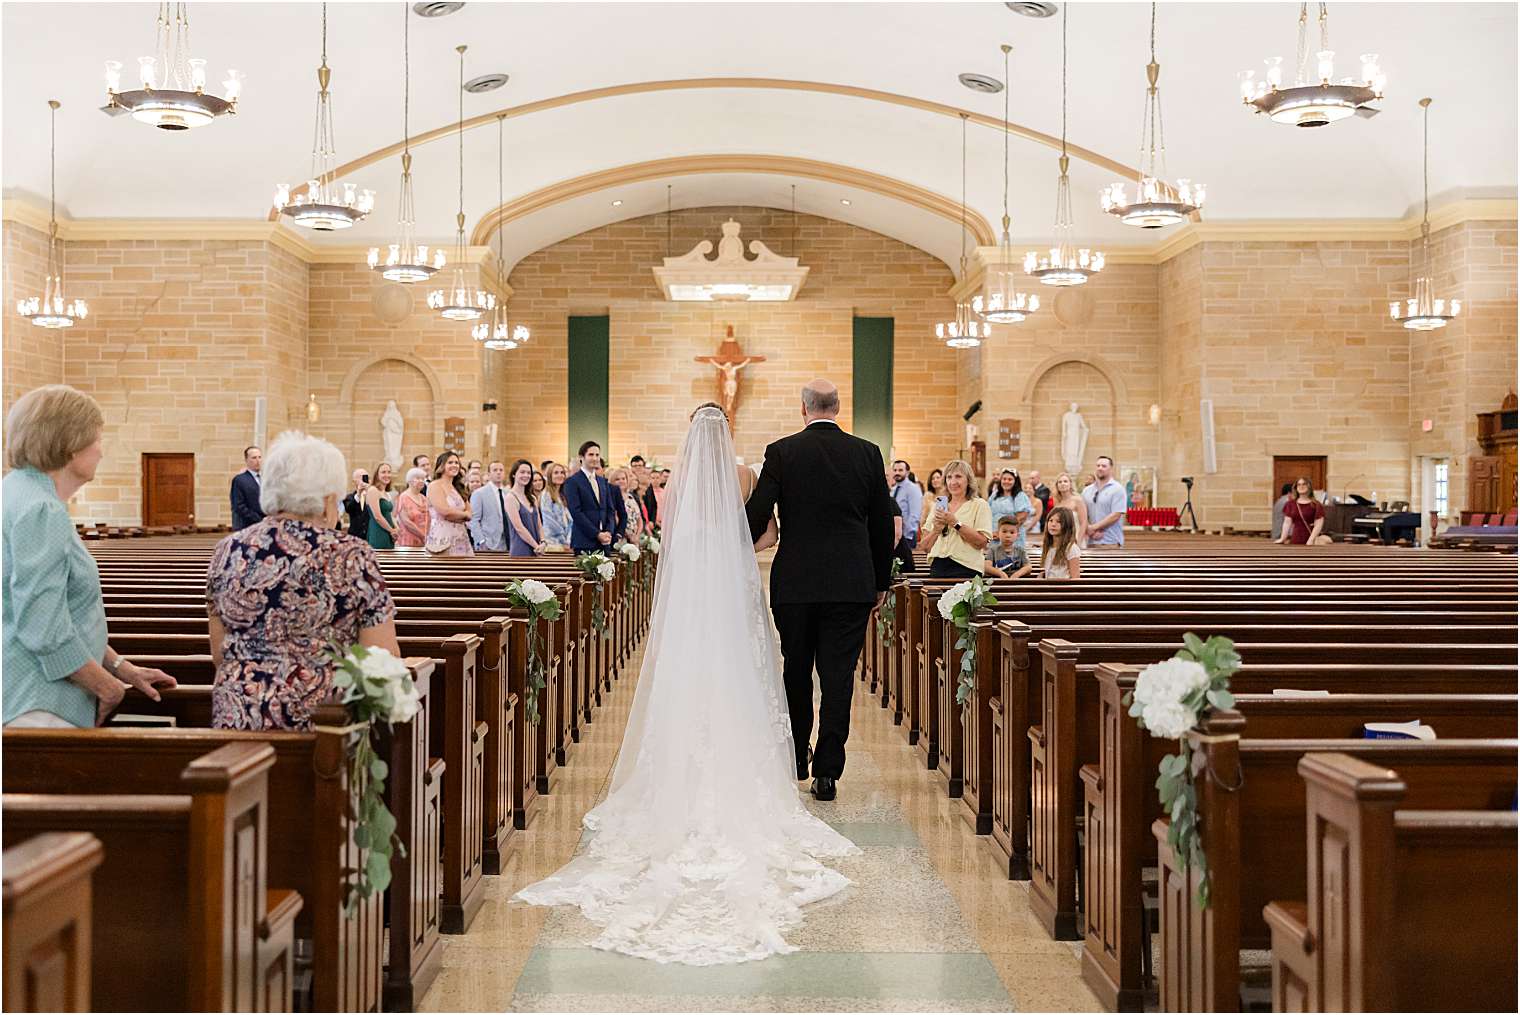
[1187, 511]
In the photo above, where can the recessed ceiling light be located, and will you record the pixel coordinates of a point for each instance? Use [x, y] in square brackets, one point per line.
[435, 8]
[981, 83]
[1030, 9]
[485, 83]
[844, 201]
[618, 203]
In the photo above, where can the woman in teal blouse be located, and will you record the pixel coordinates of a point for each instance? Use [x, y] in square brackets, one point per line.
[57, 669]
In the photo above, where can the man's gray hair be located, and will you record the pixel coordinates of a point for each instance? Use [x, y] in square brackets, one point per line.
[299, 472]
[817, 403]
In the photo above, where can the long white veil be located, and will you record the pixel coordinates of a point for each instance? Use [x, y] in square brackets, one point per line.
[704, 852]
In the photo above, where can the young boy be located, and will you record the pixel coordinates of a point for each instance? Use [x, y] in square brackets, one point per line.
[1006, 559]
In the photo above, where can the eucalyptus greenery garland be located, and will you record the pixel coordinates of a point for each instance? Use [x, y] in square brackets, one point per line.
[886, 617]
[959, 605]
[541, 604]
[1169, 700]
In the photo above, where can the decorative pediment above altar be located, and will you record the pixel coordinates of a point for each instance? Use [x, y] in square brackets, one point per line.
[767, 277]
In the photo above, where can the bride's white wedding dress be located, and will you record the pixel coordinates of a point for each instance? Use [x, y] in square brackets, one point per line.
[703, 852]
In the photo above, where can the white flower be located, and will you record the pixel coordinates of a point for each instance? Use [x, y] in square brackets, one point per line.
[630, 551]
[1170, 719]
[654, 545]
[1169, 682]
[536, 592]
[379, 665]
[952, 598]
[406, 701]
[606, 569]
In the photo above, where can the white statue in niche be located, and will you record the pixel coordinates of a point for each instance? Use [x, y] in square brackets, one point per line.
[392, 426]
[1074, 432]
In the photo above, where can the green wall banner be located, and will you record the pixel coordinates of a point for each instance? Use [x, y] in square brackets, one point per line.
[871, 399]
[590, 338]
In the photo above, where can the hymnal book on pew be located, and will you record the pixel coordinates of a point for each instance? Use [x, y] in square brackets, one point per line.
[1412, 730]
[1289, 692]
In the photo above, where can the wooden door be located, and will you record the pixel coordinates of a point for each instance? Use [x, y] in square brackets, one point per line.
[168, 489]
[1291, 469]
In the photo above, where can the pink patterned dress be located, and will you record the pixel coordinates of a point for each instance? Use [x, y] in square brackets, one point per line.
[452, 539]
[285, 591]
[411, 514]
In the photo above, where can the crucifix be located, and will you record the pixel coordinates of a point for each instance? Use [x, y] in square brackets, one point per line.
[729, 360]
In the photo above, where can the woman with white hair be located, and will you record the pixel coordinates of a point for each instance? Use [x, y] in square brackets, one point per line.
[58, 669]
[280, 592]
[412, 509]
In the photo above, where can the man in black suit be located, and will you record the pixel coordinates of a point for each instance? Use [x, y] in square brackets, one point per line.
[832, 567]
[245, 490]
[589, 498]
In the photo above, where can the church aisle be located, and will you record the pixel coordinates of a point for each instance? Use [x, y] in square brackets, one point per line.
[929, 923]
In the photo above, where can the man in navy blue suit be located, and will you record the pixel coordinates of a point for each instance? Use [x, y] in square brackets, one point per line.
[593, 515]
[245, 491]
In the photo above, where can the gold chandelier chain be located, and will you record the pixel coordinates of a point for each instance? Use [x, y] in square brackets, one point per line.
[461, 153]
[1063, 81]
[963, 195]
[324, 35]
[406, 80]
[1007, 87]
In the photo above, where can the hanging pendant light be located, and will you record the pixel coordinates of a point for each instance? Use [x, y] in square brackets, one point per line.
[1066, 263]
[461, 301]
[1155, 203]
[325, 204]
[496, 333]
[52, 309]
[1423, 311]
[964, 331]
[407, 260]
[1002, 302]
[1315, 99]
[172, 95]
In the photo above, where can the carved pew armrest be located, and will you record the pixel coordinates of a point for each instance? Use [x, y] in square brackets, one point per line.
[1293, 960]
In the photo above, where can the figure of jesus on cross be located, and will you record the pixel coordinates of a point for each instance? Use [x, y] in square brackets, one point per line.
[729, 360]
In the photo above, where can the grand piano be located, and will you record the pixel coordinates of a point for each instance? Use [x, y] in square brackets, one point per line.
[1387, 527]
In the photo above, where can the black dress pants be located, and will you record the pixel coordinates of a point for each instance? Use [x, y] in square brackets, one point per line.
[827, 637]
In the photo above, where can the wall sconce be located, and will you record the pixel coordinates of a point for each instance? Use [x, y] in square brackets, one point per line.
[313, 410]
[1155, 414]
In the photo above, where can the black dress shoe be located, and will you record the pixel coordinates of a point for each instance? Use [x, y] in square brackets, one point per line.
[823, 788]
[802, 766]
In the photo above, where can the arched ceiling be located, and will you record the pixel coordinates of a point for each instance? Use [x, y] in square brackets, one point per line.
[908, 135]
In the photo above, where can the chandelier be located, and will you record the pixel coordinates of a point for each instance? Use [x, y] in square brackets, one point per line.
[1155, 203]
[1066, 263]
[496, 334]
[407, 260]
[461, 301]
[1318, 100]
[172, 95]
[964, 331]
[1422, 311]
[1002, 302]
[51, 310]
[325, 204]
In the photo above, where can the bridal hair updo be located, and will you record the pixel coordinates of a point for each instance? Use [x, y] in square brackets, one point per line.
[708, 405]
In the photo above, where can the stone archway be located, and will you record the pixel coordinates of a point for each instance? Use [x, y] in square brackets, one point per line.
[369, 385]
[1065, 377]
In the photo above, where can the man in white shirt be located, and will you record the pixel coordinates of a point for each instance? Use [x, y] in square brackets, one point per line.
[1107, 504]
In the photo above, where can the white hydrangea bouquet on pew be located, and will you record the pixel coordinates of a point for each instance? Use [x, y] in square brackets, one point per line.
[651, 547]
[598, 569]
[886, 616]
[1168, 700]
[542, 604]
[375, 687]
[959, 605]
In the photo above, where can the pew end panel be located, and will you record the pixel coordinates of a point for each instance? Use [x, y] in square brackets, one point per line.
[47, 907]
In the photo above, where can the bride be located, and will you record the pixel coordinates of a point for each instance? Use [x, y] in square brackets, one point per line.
[703, 852]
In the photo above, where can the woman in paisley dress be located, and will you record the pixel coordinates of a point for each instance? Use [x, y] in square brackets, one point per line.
[281, 592]
[449, 509]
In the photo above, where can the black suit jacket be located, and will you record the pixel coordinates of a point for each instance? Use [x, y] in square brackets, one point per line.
[245, 500]
[836, 517]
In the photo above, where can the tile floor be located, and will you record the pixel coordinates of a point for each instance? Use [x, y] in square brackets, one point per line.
[930, 923]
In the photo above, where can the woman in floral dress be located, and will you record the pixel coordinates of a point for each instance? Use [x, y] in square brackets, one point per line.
[449, 509]
[281, 592]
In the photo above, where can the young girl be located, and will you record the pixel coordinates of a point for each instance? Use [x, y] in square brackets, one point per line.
[1060, 554]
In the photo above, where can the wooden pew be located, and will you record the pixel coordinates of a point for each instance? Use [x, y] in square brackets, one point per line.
[1251, 804]
[48, 906]
[307, 804]
[1120, 801]
[185, 920]
[1065, 737]
[1387, 927]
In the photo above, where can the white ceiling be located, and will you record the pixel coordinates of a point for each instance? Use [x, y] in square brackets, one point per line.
[1463, 54]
